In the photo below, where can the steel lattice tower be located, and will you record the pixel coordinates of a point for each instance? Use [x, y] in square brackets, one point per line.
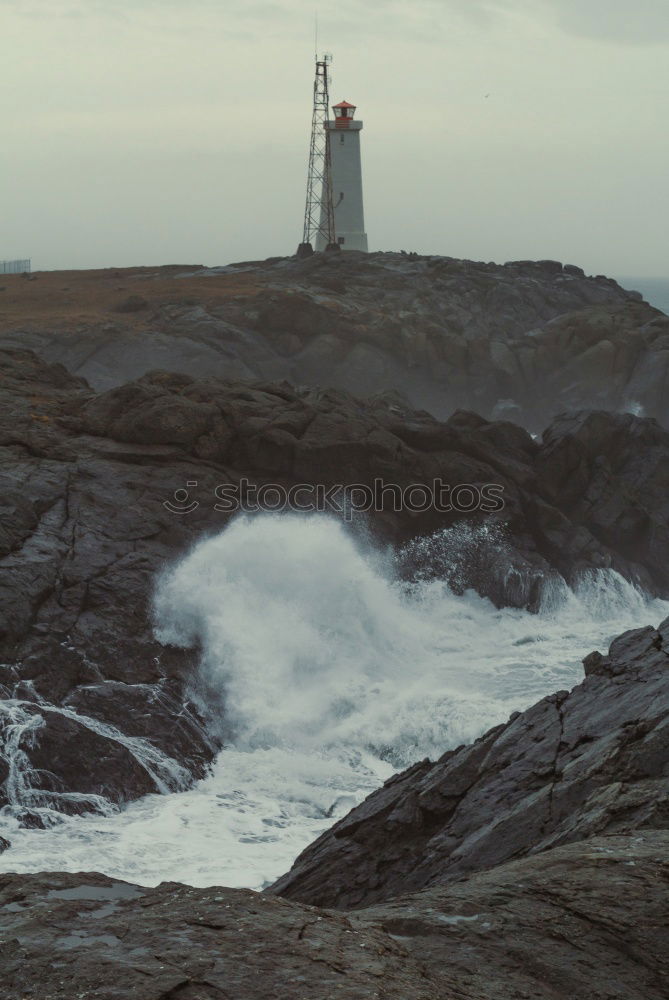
[319, 210]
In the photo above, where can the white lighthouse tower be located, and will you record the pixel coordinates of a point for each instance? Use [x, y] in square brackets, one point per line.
[343, 136]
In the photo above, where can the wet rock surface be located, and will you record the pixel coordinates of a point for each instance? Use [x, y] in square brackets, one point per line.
[522, 341]
[559, 886]
[85, 479]
[67, 936]
[576, 765]
[587, 919]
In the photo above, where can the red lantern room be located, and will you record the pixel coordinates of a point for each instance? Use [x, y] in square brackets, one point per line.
[344, 114]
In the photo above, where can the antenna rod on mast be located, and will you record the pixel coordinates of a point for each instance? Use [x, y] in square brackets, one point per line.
[319, 223]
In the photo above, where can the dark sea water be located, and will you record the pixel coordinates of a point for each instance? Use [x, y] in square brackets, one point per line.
[654, 290]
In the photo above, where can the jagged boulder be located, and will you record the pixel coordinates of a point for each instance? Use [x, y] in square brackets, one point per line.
[577, 764]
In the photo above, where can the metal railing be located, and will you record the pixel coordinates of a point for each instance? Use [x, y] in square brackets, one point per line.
[14, 266]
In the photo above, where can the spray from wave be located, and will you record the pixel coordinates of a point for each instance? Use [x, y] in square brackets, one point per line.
[313, 643]
[30, 797]
[330, 672]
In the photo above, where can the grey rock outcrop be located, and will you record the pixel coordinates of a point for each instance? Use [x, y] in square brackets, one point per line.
[524, 339]
[585, 919]
[577, 764]
[67, 936]
[588, 919]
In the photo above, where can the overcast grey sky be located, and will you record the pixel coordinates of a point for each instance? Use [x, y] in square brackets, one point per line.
[142, 132]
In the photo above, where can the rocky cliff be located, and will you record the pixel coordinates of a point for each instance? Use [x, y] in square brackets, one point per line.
[535, 863]
[531, 863]
[578, 764]
[524, 340]
[96, 708]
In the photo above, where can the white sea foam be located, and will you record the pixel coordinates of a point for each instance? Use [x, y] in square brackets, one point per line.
[30, 789]
[333, 673]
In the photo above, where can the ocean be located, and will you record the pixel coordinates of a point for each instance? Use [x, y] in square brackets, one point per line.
[654, 290]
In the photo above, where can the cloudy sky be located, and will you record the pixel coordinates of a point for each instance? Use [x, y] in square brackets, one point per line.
[142, 132]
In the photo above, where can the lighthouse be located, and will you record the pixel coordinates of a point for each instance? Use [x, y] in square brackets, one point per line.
[343, 137]
[333, 215]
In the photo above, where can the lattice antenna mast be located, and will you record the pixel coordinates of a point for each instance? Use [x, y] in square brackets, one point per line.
[319, 211]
